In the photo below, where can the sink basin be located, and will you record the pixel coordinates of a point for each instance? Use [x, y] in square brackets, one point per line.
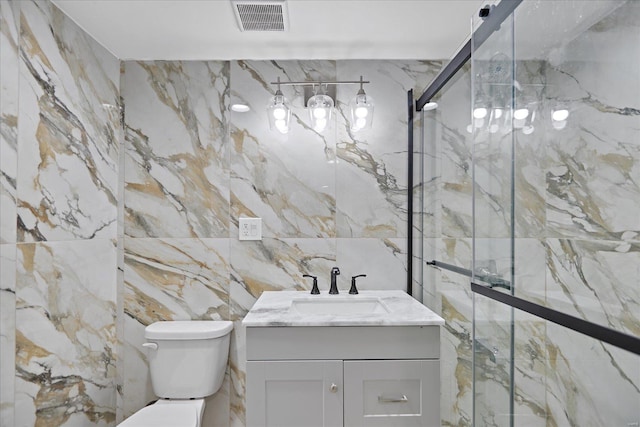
[335, 305]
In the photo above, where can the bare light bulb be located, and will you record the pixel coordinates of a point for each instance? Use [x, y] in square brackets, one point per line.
[279, 113]
[362, 112]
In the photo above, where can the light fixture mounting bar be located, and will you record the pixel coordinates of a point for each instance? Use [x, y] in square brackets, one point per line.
[321, 82]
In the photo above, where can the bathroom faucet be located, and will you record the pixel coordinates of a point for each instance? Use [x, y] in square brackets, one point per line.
[335, 272]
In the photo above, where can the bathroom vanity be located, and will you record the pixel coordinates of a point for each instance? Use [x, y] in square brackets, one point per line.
[342, 360]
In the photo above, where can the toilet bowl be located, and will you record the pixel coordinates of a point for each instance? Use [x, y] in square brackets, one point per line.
[187, 362]
[168, 413]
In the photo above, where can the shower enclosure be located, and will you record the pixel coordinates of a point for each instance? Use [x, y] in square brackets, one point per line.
[528, 216]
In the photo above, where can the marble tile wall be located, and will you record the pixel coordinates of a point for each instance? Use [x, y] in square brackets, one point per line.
[193, 167]
[60, 145]
[9, 29]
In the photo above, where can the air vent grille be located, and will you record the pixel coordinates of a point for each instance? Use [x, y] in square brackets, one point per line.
[261, 15]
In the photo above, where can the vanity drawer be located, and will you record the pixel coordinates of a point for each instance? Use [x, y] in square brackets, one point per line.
[391, 393]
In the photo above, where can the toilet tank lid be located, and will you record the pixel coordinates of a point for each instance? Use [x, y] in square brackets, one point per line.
[188, 329]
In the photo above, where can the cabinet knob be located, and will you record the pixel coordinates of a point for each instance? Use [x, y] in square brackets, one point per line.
[333, 388]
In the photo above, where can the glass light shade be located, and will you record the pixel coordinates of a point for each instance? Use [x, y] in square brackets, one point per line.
[361, 107]
[320, 111]
[279, 113]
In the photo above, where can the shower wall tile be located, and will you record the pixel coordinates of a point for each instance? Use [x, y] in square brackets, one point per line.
[9, 78]
[287, 180]
[595, 280]
[65, 333]
[7, 332]
[588, 382]
[69, 116]
[177, 157]
[593, 165]
[371, 165]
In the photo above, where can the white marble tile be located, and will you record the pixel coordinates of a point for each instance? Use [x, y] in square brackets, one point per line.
[287, 180]
[384, 261]
[277, 264]
[176, 279]
[8, 119]
[7, 332]
[65, 337]
[69, 115]
[177, 158]
[371, 190]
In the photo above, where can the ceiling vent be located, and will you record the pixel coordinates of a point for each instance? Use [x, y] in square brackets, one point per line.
[261, 15]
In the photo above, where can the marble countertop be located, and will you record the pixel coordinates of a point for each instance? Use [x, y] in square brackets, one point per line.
[274, 309]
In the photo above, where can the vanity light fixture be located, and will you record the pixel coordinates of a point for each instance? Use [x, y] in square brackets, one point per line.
[361, 107]
[320, 106]
[278, 112]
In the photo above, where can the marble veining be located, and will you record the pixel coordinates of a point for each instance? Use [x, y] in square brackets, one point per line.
[274, 309]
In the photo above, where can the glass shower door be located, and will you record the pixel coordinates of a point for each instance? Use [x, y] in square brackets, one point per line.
[492, 80]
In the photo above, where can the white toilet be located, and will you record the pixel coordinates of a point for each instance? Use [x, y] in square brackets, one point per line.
[187, 362]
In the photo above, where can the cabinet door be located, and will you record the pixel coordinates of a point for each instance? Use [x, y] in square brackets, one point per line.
[294, 393]
[392, 393]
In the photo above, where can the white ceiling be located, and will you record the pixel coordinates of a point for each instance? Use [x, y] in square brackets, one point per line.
[319, 29]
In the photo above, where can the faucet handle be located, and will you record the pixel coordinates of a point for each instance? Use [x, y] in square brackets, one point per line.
[354, 290]
[314, 289]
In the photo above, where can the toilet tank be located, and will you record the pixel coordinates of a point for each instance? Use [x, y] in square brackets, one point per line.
[190, 359]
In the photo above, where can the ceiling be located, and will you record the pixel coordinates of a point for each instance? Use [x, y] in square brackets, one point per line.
[318, 29]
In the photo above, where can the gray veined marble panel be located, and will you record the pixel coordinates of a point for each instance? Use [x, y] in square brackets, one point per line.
[596, 280]
[371, 189]
[177, 161]
[7, 332]
[65, 337]
[176, 279]
[9, 79]
[69, 119]
[287, 180]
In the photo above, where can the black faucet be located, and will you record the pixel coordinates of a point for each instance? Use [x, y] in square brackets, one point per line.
[314, 290]
[335, 272]
[354, 290]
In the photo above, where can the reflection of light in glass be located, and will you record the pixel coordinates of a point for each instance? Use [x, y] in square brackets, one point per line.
[470, 128]
[528, 130]
[494, 128]
[497, 113]
[559, 125]
[241, 108]
[560, 115]
[520, 114]
[478, 122]
[479, 113]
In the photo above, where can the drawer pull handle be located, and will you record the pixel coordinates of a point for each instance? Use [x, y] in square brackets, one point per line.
[385, 399]
[333, 388]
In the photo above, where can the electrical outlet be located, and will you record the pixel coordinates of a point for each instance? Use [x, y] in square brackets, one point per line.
[250, 228]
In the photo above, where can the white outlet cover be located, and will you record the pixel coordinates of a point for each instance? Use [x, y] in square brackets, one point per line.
[250, 228]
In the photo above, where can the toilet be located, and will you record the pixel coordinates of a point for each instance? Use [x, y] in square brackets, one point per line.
[187, 362]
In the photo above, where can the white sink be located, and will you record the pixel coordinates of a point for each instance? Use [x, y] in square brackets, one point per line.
[338, 305]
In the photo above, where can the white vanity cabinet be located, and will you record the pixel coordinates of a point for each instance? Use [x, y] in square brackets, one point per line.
[343, 376]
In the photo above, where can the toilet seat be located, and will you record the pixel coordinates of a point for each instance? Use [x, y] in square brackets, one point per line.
[167, 414]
